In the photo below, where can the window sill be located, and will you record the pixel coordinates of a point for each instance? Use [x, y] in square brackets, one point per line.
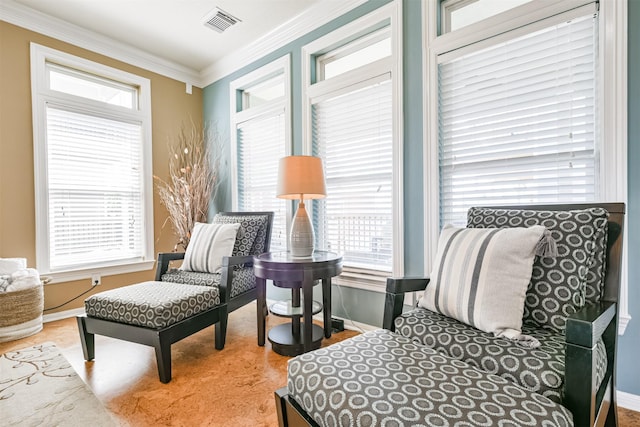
[68, 276]
[368, 280]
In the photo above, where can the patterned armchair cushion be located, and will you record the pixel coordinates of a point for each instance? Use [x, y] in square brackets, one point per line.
[559, 285]
[594, 286]
[540, 370]
[243, 279]
[381, 378]
[250, 239]
[152, 304]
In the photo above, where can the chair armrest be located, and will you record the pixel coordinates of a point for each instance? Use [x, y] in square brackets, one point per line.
[163, 262]
[583, 396]
[394, 298]
[406, 284]
[586, 326]
[228, 261]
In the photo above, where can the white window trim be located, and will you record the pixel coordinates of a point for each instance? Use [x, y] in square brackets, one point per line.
[391, 12]
[446, 8]
[613, 106]
[283, 104]
[40, 96]
[341, 52]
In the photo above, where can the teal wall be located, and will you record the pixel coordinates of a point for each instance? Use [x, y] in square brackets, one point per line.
[366, 307]
[629, 344]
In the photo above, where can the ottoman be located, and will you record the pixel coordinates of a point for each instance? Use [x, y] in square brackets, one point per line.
[380, 378]
[153, 313]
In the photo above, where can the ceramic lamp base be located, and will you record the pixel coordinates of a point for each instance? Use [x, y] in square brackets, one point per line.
[302, 236]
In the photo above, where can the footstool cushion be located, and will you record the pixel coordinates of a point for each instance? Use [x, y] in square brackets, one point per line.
[152, 304]
[537, 369]
[381, 378]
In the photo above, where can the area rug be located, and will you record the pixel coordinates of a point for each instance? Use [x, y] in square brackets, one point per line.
[38, 387]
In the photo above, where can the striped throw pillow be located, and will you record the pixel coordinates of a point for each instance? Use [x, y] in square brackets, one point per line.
[480, 277]
[208, 244]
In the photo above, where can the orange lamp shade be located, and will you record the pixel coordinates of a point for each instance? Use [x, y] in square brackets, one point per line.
[301, 177]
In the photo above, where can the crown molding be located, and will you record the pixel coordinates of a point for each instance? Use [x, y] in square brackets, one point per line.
[312, 18]
[25, 17]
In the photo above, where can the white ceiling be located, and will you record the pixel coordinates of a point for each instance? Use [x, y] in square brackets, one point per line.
[172, 30]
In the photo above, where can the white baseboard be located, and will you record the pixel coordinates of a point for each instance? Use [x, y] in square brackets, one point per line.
[62, 315]
[350, 324]
[353, 326]
[628, 400]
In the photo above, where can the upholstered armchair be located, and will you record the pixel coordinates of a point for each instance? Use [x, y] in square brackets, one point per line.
[235, 280]
[570, 317]
[215, 279]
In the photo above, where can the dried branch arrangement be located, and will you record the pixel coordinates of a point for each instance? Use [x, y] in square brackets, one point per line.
[192, 181]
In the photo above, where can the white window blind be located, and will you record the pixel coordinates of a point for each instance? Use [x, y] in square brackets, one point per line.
[95, 189]
[518, 121]
[352, 133]
[260, 143]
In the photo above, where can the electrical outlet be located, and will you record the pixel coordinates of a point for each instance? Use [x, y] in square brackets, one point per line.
[95, 279]
[337, 325]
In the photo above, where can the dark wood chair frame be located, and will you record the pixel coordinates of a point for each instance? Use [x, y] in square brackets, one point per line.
[162, 339]
[589, 406]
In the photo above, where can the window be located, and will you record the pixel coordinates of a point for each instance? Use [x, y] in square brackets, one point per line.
[260, 118]
[460, 13]
[352, 100]
[78, 83]
[517, 121]
[93, 176]
[523, 104]
[363, 51]
[260, 93]
[356, 218]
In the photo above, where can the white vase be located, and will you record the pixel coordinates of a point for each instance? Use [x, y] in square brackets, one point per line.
[302, 236]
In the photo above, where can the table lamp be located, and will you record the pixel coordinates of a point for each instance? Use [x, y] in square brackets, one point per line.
[299, 178]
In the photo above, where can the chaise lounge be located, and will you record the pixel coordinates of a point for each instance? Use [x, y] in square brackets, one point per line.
[559, 370]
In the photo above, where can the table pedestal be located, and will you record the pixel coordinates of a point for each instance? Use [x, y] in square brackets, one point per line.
[284, 342]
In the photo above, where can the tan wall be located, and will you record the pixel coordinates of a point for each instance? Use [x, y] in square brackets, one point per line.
[171, 108]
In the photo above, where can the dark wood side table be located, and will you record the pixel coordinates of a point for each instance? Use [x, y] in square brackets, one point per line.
[297, 274]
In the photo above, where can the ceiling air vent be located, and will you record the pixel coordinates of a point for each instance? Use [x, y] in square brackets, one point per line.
[219, 20]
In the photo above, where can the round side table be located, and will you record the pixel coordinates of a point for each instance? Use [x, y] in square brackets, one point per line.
[300, 275]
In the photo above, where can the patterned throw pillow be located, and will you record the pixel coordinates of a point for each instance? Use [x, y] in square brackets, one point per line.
[480, 277]
[559, 286]
[250, 238]
[208, 244]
